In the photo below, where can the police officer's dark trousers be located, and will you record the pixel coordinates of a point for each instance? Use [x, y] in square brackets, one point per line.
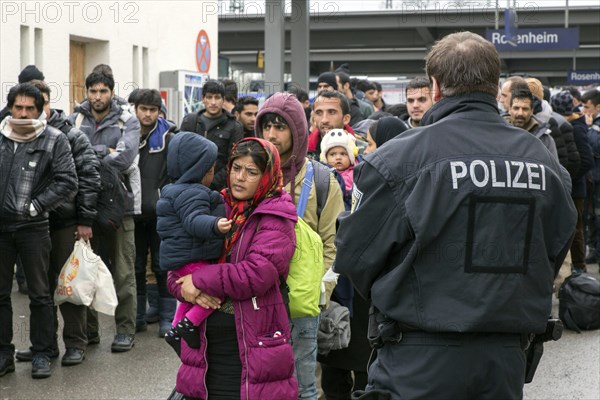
[450, 366]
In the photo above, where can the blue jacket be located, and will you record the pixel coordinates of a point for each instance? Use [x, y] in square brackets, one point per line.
[187, 212]
[586, 156]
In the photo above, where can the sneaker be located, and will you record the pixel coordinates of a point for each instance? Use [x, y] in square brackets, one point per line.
[40, 367]
[189, 332]
[123, 342]
[27, 355]
[174, 341]
[73, 356]
[141, 327]
[7, 364]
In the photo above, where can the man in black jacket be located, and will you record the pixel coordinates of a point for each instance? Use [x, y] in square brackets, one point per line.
[37, 174]
[155, 134]
[457, 230]
[217, 125]
[70, 221]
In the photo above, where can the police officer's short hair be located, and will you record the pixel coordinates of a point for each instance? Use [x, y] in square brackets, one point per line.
[27, 90]
[464, 62]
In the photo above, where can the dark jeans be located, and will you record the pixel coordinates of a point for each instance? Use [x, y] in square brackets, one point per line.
[33, 246]
[147, 239]
[74, 316]
[337, 384]
[578, 245]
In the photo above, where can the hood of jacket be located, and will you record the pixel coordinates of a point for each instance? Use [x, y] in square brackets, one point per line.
[288, 106]
[111, 118]
[189, 157]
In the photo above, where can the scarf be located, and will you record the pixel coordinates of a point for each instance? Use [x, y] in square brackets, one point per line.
[387, 128]
[23, 130]
[271, 184]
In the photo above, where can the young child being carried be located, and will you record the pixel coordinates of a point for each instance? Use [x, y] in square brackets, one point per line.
[339, 151]
[191, 224]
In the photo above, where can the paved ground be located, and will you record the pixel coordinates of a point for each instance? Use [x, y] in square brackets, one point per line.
[570, 368]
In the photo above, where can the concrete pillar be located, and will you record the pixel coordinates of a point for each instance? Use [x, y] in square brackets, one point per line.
[274, 45]
[300, 21]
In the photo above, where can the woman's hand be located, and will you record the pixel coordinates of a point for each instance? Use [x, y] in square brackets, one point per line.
[206, 301]
[188, 291]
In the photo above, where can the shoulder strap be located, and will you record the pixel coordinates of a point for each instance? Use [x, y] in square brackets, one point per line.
[322, 185]
[306, 185]
[79, 120]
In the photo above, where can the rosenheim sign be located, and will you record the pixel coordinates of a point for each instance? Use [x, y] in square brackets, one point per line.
[534, 39]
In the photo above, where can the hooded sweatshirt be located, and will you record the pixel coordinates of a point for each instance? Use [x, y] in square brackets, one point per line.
[188, 211]
[294, 170]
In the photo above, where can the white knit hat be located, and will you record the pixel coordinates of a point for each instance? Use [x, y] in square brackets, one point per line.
[341, 138]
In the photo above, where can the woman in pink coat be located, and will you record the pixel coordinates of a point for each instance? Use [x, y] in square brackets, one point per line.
[245, 350]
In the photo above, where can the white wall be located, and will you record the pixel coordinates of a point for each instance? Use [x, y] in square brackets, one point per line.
[167, 28]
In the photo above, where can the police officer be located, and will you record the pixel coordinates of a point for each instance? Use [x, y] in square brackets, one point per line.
[456, 232]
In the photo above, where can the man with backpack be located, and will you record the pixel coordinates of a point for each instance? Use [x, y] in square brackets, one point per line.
[282, 122]
[115, 136]
[217, 125]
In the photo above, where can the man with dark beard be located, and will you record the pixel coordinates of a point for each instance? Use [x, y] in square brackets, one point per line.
[115, 136]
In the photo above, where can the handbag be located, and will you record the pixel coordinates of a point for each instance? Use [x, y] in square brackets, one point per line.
[77, 279]
[105, 297]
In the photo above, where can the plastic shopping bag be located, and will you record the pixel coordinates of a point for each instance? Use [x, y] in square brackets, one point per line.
[105, 298]
[77, 279]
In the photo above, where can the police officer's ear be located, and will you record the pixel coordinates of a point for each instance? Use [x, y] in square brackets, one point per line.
[435, 89]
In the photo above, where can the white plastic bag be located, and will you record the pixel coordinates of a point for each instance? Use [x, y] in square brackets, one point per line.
[77, 279]
[105, 298]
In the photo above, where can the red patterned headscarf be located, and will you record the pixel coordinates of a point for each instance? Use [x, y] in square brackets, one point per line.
[271, 184]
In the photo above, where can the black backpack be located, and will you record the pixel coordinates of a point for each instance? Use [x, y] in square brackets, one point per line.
[579, 302]
[112, 199]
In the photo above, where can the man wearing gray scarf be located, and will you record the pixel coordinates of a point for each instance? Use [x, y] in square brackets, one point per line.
[37, 174]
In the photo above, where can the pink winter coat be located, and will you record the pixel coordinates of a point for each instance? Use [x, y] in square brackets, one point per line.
[251, 280]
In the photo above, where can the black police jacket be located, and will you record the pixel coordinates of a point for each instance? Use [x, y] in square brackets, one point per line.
[459, 225]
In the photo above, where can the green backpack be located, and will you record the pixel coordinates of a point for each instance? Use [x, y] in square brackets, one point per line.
[306, 267]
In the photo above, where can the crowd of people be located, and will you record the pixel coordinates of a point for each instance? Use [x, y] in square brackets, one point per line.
[206, 232]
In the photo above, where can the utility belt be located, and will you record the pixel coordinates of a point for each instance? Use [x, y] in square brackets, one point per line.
[383, 330]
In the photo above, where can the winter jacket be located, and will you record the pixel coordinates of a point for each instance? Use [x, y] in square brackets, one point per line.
[225, 134]
[251, 280]
[586, 156]
[40, 172]
[294, 170]
[562, 133]
[469, 236]
[593, 136]
[187, 211]
[153, 166]
[120, 131]
[540, 130]
[82, 210]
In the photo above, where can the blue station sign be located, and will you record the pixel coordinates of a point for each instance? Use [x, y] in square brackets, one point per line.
[583, 77]
[534, 39]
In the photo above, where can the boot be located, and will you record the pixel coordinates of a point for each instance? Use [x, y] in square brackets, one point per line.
[152, 311]
[140, 319]
[166, 311]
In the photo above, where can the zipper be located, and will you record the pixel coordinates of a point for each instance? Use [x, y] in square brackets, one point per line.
[246, 387]
[205, 363]
[12, 161]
